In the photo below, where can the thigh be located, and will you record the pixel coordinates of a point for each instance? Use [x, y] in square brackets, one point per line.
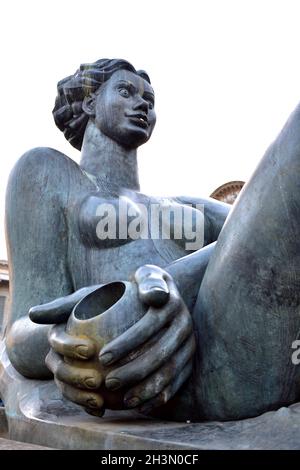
[247, 314]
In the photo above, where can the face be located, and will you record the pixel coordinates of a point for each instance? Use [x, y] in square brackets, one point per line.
[124, 109]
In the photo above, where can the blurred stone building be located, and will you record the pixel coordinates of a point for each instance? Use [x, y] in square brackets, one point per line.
[228, 192]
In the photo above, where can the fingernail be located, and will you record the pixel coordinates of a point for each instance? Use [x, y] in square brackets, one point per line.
[82, 350]
[144, 409]
[113, 384]
[92, 403]
[159, 297]
[98, 413]
[90, 382]
[106, 358]
[132, 402]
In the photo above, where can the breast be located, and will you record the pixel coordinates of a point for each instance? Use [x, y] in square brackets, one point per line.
[112, 237]
[104, 222]
[113, 222]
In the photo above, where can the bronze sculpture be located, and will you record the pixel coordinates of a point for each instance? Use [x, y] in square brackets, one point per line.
[219, 336]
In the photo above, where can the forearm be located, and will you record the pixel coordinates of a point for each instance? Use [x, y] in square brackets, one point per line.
[188, 273]
[27, 346]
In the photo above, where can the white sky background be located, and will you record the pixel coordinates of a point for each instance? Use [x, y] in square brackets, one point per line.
[226, 76]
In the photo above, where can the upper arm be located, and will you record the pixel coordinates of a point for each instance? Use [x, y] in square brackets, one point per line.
[36, 230]
[215, 214]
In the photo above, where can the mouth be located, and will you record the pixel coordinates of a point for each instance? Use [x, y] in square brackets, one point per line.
[139, 119]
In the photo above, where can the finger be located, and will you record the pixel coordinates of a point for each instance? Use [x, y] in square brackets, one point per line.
[158, 381]
[70, 346]
[137, 369]
[151, 323]
[163, 397]
[89, 400]
[95, 412]
[79, 377]
[58, 311]
[153, 289]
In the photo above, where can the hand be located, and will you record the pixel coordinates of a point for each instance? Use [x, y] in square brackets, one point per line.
[71, 359]
[157, 374]
[154, 377]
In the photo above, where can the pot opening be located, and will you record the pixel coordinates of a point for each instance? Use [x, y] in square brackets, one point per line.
[99, 301]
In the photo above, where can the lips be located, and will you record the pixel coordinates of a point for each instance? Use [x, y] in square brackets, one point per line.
[139, 119]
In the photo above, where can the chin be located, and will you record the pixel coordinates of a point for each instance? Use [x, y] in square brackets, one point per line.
[134, 139]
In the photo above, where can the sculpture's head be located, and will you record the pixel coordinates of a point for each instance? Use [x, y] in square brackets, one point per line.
[117, 97]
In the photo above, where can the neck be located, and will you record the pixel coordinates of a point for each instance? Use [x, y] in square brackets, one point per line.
[110, 163]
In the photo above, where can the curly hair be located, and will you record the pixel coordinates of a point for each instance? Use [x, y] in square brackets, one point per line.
[71, 91]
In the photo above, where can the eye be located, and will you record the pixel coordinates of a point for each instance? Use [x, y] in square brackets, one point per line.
[124, 92]
[149, 100]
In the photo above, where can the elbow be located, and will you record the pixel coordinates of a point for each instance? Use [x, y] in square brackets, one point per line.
[26, 355]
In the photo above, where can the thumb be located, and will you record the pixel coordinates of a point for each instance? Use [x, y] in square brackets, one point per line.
[59, 310]
[153, 289]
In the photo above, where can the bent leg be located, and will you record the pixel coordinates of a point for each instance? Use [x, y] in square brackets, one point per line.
[247, 313]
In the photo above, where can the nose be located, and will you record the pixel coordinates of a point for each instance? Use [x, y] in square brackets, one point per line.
[141, 104]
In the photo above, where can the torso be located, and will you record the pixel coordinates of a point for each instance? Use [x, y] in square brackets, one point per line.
[93, 260]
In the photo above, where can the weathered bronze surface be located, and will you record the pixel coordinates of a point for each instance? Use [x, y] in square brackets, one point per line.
[211, 328]
[102, 316]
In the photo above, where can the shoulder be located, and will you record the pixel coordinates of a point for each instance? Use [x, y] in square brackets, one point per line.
[41, 169]
[39, 182]
[42, 159]
[36, 228]
[36, 198]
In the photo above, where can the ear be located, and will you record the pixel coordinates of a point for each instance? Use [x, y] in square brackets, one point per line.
[88, 105]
